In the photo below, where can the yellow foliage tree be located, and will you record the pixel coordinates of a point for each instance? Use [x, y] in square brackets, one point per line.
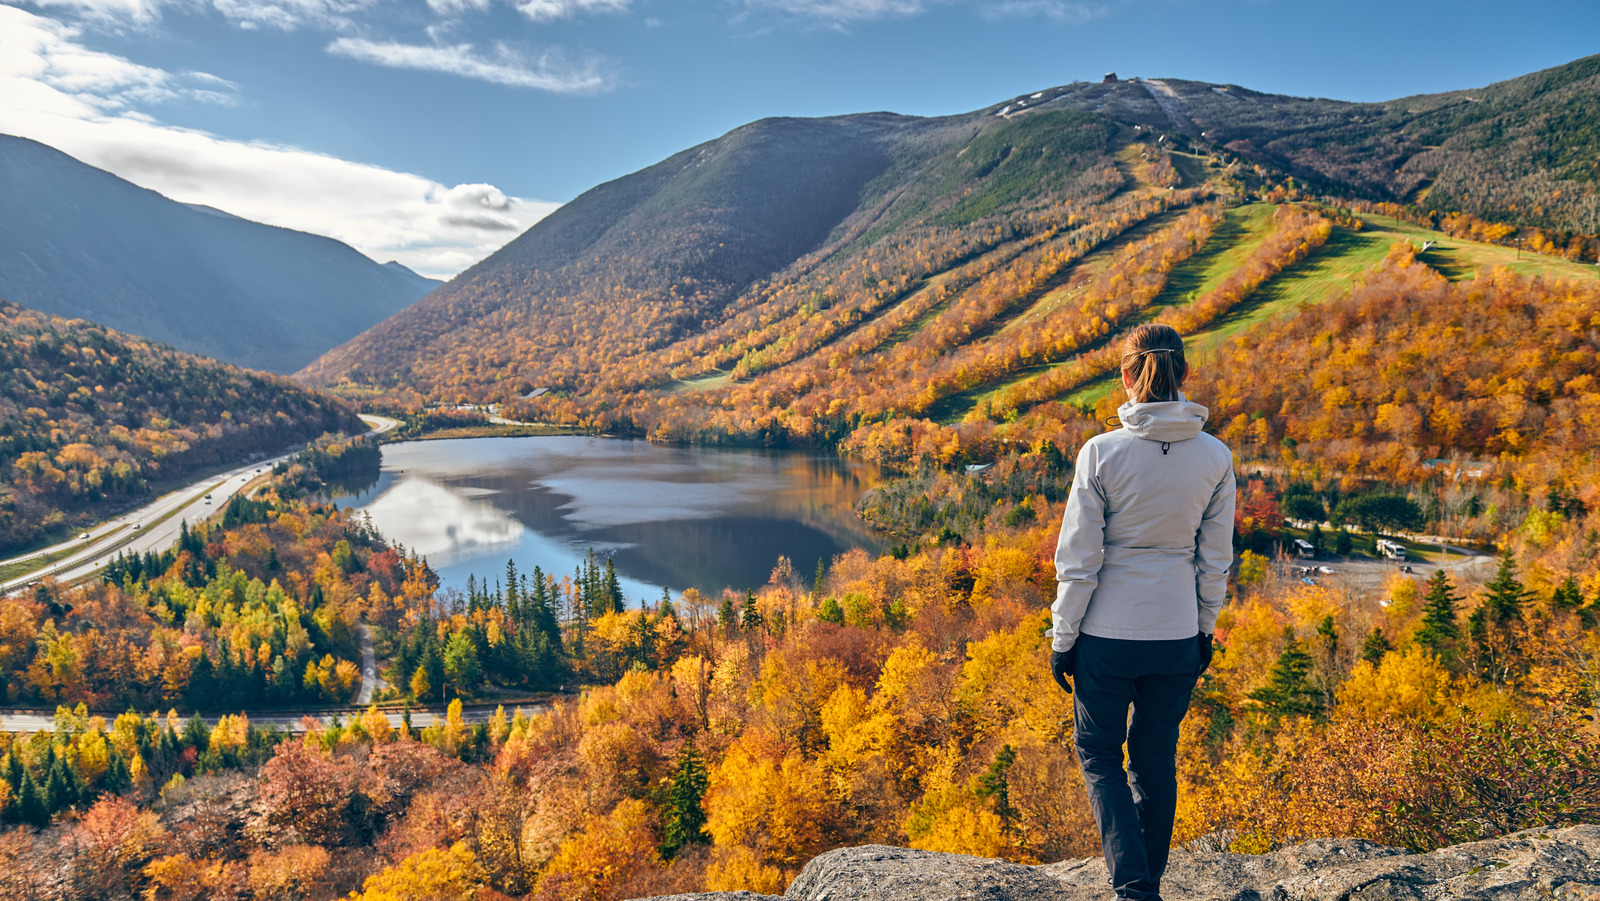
[437, 873]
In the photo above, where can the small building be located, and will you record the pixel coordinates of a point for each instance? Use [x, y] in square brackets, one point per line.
[1111, 78]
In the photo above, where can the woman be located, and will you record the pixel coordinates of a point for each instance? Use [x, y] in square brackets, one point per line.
[1141, 570]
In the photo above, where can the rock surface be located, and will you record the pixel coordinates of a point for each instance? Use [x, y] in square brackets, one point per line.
[1543, 864]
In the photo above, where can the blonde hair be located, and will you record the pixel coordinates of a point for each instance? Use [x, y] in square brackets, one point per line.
[1152, 359]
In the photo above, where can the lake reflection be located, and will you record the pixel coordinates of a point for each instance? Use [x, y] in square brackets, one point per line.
[669, 516]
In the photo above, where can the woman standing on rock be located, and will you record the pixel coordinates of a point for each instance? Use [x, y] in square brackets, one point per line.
[1141, 571]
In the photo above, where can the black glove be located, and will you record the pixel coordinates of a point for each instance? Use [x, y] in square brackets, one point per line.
[1064, 664]
[1205, 651]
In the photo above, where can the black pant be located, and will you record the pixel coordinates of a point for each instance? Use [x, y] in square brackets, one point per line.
[1134, 809]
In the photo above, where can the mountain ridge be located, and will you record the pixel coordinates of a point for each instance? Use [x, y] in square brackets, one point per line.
[80, 242]
[628, 290]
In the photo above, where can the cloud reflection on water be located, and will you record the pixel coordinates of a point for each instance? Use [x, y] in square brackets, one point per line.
[667, 516]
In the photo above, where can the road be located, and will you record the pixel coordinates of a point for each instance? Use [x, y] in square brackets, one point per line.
[154, 526]
[28, 721]
[1364, 574]
[370, 682]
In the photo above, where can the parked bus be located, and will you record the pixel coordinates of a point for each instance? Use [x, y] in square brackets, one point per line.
[1303, 549]
[1394, 550]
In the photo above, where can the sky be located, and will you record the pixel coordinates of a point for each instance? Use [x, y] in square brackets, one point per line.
[434, 131]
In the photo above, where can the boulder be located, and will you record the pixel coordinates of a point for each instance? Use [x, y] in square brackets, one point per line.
[1533, 865]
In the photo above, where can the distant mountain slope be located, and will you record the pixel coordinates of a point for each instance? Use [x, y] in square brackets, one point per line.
[90, 418]
[782, 237]
[80, 242]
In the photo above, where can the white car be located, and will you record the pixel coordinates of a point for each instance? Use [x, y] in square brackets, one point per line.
[83, 537]
[1325, 570]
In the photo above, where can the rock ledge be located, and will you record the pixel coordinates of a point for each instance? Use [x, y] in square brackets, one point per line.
[1534, 865]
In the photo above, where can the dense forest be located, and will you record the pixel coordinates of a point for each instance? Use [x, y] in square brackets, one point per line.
[725, 740]
[92, 419]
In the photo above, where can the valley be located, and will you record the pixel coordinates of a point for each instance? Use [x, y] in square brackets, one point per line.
[821, 383]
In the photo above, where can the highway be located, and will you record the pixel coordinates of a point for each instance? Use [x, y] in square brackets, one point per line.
[154, 526]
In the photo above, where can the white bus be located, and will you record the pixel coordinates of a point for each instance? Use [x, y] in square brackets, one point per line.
[1394, 550]
[1303, 549]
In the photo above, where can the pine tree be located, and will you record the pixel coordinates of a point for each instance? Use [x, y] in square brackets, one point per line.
[727, 616]
[995, 784]
[1289, 690]
[513, 600]
[821, 580]
[30, 806]
[1505, 593]
[684, 818]
[1567, 596]
[1374, 646]
[613, 588]
[664, 609]
[750, 618]
[1439, 632]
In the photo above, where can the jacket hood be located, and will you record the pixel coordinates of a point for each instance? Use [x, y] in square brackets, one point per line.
[1171, 420]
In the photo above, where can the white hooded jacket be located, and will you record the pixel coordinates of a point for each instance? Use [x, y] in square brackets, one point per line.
[1147, 538]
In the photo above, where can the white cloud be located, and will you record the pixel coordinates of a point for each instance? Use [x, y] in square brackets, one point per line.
[457, 7]
[135, 12]
[547, 10]
[844, 12]
[841, 11]
[1058, 11]
[56, 91]
[505, 66]
[288, 15]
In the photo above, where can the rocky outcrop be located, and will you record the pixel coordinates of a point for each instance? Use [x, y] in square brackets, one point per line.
[1548, 865]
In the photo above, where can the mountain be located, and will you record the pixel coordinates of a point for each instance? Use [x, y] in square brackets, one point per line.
[91, 418]
[79, 242]
[797, 279]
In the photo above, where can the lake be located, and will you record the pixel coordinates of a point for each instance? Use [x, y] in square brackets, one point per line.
[668, 517]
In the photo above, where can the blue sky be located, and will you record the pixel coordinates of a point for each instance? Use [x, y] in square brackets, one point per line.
[432, 131]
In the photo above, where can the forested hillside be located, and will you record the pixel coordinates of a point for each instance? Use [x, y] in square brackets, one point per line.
[786, 236]
[91, 419]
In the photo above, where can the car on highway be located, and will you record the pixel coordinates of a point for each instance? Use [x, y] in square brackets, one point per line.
[84, 536]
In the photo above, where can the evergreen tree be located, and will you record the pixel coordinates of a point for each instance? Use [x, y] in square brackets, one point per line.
[59, 788]
[750, 618]
[821, 580]
[1568, 596]
[13, 773]
[462, 665]
[727, 617]
[664, 609]
[1374, 646]
[613, 588]
[513, 598]
[1289, 690]
[117, 779]
[1439, 632]
[30, 805]
[1505, 593]
[684, 819]
[995, 784]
